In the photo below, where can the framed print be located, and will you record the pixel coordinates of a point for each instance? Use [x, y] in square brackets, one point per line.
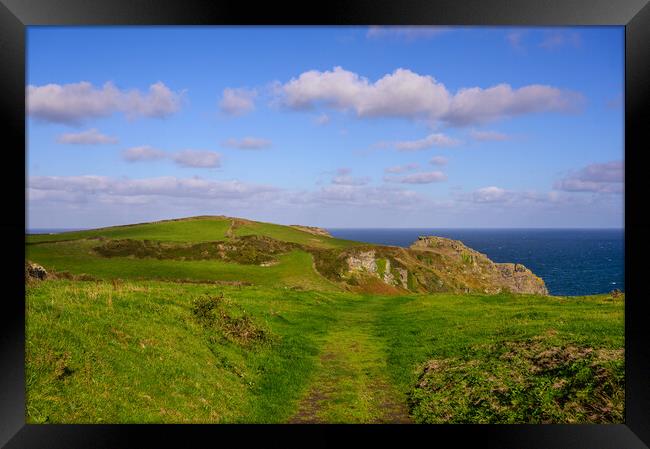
[365, 223]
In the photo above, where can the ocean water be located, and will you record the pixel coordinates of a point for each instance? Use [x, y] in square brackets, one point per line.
[571, 261]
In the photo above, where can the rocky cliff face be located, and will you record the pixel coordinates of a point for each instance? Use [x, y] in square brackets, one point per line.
[366, 262]
[431, 264]
[476, 270]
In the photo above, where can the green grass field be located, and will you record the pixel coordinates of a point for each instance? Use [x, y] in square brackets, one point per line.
[137, 342]
[134, 351]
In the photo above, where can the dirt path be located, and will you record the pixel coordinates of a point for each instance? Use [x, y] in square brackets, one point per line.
[350, 384]
[230, 232]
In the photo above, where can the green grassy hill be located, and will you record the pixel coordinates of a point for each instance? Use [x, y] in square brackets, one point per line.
[74, 252]
[234, 249]
[221, 320]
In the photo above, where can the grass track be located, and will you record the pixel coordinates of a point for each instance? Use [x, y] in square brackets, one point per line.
[350, 384]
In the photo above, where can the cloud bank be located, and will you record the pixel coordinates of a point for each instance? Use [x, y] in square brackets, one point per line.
[143, 153]
[432, 140]
[608, 177]
[247, 143]
[418, 178]
[197, 159]
[184, 158]
[90, 137]
[409, 95]
[73, 104]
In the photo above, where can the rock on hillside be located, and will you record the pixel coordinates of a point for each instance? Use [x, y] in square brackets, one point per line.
[34, 271]
[431, 264]
[312, 230]
[474, 265]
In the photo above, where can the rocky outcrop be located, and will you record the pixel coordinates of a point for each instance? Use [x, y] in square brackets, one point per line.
[34, 271]
[518, 278]
[312, 230]
[363, 261]
[467, 266]
[431, 264]
[368, 263]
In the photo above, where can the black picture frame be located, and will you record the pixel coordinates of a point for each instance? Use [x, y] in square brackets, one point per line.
[16, 15]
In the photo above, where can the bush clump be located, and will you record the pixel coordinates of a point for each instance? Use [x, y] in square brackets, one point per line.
[533, 381]
[250, 250]
[213, 313]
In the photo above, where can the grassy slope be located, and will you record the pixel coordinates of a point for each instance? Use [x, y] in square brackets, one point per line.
[71, 252]
[196, 229]
[134, 352]
[294, 269]
[97, 352]
[190, 230]
[289, 234]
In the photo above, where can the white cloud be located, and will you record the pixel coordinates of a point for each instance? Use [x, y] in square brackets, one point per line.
[361, 197]
[172, 193]
[237, 101]
[608, 177]
[556, 39]
[477, 105]
[488, 136]
[143, 153]
[75, 103]
[408, 95]
[418, 178]
[402, 168]
[408, 33]
[515, 39]
[402, 93]
[107, 189]
[322, 119]
[430, 141]
[343, 177]
[438, 160]
[197, 158]
[491, 194]
[89, 137]
[247, 143]
[184, 158]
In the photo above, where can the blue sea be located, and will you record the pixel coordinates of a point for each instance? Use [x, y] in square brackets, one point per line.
[571, 261]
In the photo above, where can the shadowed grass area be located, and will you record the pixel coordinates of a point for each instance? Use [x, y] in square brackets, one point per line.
[293, 269]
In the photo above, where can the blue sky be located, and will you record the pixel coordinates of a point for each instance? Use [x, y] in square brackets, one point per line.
[326, 126]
